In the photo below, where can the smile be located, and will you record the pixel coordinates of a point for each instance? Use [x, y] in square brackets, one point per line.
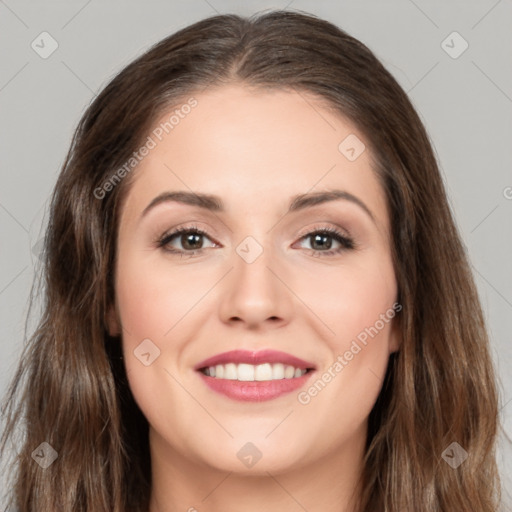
[254, 376]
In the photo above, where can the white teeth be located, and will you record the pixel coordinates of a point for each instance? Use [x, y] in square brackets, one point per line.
[245, 372]
[230, 371]
[278, 371]
[251, 373]
[263, 372]
[289, 372]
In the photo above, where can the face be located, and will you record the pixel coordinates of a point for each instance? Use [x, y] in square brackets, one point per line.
[284, 281]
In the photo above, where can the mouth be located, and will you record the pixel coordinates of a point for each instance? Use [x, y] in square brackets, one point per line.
[254, 376]
[247, 365]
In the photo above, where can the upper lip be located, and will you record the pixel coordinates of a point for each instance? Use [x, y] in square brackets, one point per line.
[255, 357]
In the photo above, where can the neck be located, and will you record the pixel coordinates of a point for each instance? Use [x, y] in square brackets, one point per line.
[329, 484]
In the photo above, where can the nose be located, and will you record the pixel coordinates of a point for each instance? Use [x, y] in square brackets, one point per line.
[256, 294]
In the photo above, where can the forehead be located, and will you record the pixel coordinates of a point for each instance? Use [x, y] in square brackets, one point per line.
[255, 149]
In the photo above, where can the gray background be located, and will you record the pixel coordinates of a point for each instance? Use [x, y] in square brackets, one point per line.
[465, 103]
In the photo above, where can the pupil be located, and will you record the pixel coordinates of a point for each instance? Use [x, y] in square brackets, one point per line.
[189, 240]
[322, 237]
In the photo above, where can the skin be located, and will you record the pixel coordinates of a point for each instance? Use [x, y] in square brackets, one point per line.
[255, 150]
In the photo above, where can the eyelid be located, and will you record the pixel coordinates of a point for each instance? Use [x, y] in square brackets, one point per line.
[325, 226]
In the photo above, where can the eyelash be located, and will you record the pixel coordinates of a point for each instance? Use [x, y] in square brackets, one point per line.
[345, 242]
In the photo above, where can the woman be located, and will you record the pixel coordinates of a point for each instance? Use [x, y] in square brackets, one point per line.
[204, 345]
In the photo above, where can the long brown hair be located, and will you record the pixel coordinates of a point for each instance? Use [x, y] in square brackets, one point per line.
[70, 389]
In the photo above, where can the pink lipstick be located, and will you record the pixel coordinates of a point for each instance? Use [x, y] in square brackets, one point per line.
[254, 375]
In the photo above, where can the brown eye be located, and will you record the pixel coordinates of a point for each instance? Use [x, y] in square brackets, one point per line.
[189, 241]
[321, 241]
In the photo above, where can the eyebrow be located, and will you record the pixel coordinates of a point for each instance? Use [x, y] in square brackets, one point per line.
[215, 204]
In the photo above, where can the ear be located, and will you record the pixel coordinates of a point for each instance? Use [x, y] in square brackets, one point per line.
[112, 322]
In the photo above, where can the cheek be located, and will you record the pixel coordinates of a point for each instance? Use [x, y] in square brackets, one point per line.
[356, 302]
[150, 304]
[151, 300]
[352, 297]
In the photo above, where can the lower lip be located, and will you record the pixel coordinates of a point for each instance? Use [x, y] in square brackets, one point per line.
[254, 391]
